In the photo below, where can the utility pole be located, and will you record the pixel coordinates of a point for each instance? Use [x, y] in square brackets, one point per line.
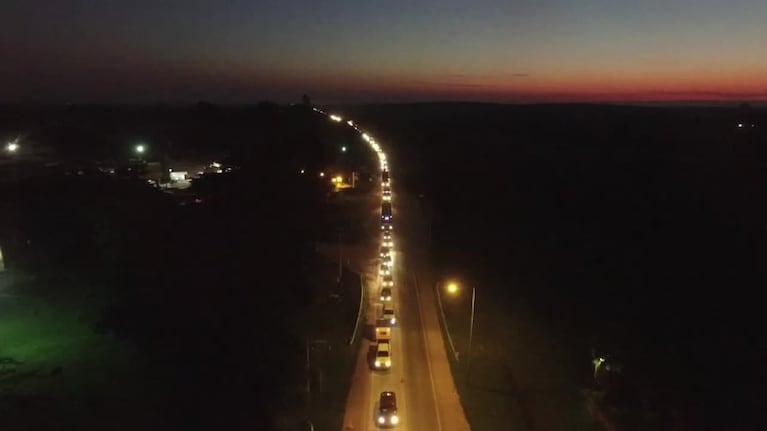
[340, 255]
[309, 344]
[308, 378]
[471, 332]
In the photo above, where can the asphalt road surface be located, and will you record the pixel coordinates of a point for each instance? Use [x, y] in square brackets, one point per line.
[420, 373]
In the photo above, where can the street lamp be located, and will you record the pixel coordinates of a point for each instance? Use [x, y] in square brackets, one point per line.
[454, 289]
[343, 149]
[12, 146]
[140, 149]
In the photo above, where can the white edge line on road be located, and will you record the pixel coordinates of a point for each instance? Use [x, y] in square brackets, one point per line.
[428, 355]
[359, 312]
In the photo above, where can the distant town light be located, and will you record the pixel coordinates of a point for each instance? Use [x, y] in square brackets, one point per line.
[343, 149]
[12, 147]
[302, 171]
[350, 122]
[322, 174]
[335, 118]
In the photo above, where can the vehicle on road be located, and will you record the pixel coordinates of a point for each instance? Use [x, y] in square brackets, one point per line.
[386, 227]
[385, 294]
[387, 260]
[387, 410]
[386, 213]
[383, 356]
[385, 251]
[387, 315]
[385, 180]
[387, 281]
[383, 334]
[384, 270]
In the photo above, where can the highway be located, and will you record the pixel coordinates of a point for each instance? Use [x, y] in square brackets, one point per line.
[420, 373]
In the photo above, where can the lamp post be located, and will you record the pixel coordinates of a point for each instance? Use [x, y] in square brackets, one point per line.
[454, 289]
[309, 345]
[471, 331]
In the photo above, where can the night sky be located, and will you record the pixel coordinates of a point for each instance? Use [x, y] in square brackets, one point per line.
[382, 50]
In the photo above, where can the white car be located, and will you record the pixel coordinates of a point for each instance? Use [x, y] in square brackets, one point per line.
[383, 356]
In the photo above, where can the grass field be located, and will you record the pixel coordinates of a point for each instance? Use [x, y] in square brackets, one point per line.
[57, 368]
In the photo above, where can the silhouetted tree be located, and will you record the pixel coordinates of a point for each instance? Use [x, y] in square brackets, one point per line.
[306, 100]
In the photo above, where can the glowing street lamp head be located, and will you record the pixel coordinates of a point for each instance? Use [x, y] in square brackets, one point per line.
[12, 147]
[452, 288]
[322, 174]
[140, 148]
[343, 149]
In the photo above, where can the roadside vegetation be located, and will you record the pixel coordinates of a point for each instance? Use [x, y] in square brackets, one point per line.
[124, 307]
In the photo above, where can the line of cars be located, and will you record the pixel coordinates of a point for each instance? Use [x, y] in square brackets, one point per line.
[387, 402]
[386, 406]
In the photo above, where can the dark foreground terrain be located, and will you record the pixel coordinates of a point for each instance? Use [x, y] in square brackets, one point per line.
[125, 306]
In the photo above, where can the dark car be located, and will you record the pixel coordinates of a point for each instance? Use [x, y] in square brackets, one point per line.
[387, 410]
[386, 294]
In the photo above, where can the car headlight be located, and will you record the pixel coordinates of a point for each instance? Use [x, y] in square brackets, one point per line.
[381, 420]
[382, 298]
[394, 420]
[393, 320]
[388, 363]
[377, 364]
[388, 298]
